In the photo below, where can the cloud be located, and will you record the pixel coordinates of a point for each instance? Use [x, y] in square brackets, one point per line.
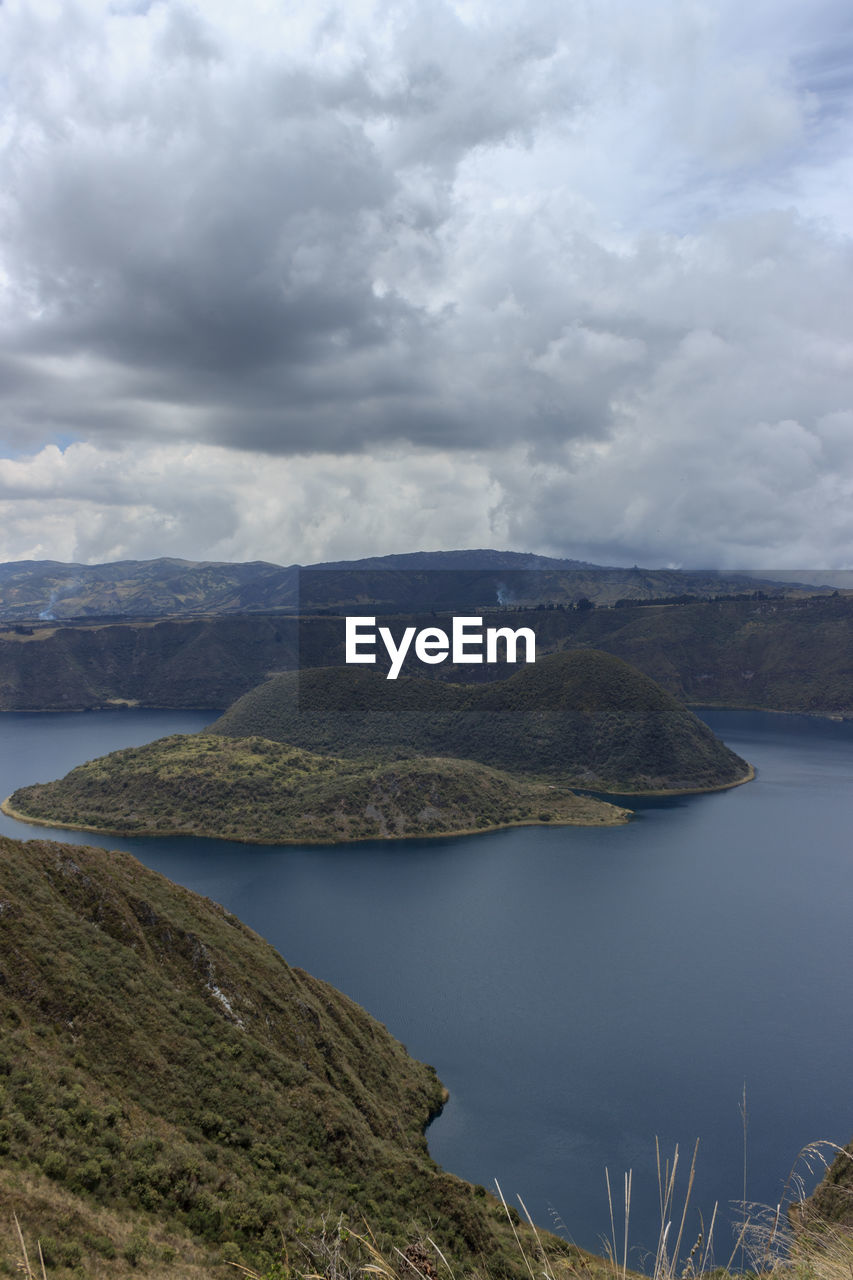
[213, 503]
[754, 498]
[585, 254]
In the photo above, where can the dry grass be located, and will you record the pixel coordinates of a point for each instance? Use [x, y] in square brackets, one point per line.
[342, 1254]
[28, 1198]
[23, 1264]
[774, 1242]
[791, 1237]
[668, 1262]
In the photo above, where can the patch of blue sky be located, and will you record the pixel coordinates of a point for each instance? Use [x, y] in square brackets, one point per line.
[62, 439]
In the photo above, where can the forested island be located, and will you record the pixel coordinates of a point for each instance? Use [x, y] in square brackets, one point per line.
[342, 754]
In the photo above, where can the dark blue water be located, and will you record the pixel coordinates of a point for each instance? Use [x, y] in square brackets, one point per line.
[579, 991]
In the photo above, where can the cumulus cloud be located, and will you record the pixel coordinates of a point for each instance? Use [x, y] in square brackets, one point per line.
[208, 502]
[743, 499]
[354, 279]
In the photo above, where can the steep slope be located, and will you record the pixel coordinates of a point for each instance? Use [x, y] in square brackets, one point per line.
[583, 716]
[256, 790]
[832, 1199]
[170, 1086]
[175, 663]
[783, 655]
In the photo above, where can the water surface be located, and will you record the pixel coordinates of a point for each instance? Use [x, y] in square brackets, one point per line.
[579, 991]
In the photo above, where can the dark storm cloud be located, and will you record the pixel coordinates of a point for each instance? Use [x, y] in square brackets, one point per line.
[210, 228]
[386, 273]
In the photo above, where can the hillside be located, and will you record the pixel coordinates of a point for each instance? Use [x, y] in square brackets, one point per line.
[175, 1095]
[782, 655]
[584, 717]
[832, 1199]
[175, 663]
[48, 589]
[256, 790]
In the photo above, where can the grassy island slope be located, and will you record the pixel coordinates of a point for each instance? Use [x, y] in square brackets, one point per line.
[174, 1092]
[253, 789]
[582, 716]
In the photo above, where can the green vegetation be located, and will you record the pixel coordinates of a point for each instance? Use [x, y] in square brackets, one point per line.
[832, 1200]
[342, 754]
[144, 588]
[583, 717]
[790, 1238]
[174, 1095]
[781, 654]
[176, 663]
[258, 790]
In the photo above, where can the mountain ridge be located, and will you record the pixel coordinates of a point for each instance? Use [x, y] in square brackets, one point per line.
[51, 590]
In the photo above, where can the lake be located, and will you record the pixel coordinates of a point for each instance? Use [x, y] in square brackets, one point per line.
[579, 991]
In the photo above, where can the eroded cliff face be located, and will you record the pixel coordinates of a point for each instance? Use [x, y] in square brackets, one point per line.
[196, 663]
[782, 655]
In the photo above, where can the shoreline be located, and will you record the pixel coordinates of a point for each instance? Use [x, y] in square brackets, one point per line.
[837, 717]
[749, 776]
[122, 704]
[620, 819]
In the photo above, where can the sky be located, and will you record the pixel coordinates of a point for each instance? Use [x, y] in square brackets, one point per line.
[311, 281]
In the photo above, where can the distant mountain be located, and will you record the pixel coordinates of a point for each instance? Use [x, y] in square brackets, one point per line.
[583, 717]
[47, 590]
[478, 559]
[175, 1096]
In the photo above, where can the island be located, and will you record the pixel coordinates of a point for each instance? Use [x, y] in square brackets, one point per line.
[340, 754]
